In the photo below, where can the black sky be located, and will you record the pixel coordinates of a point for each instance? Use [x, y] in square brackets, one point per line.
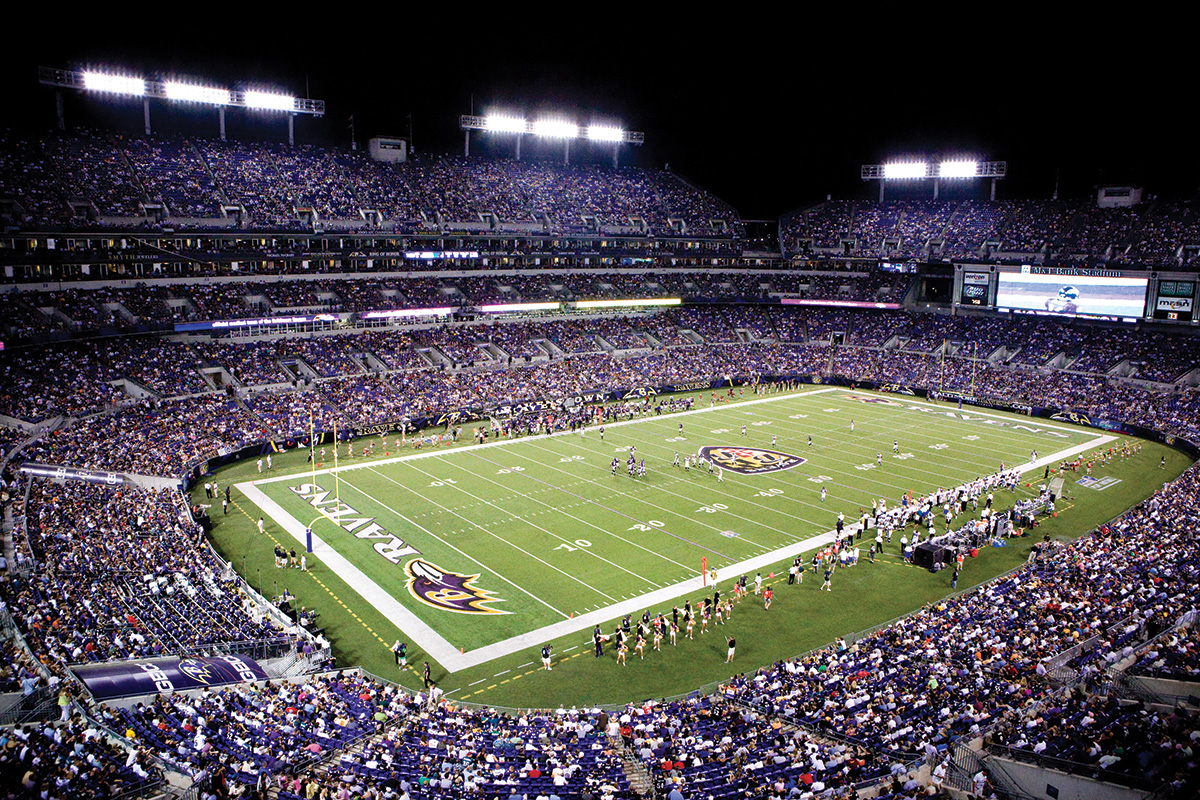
[770, 112]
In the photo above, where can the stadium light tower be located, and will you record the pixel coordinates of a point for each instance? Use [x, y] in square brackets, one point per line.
[551, 127]
[115, 84]
[926, 170]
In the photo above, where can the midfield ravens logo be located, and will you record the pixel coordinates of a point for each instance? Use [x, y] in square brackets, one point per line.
[750, 460]
[448, 591]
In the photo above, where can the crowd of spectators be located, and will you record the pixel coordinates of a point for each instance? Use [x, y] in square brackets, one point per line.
[1152, 235]
[122, 572]
[43, 381]
[269, 729]
[152, 437]
[1176, 656]
[1112, 741]
[1114, 373]
[1132, 573]
[957, 667]
[93, 178]
[71, 759]
[273, 185]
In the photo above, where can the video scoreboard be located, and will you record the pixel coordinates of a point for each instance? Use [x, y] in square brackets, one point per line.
[1097, 293]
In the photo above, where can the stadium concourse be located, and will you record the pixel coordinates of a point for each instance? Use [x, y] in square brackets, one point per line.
[264, 325]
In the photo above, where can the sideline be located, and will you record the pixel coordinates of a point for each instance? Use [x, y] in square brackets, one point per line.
[503, 442]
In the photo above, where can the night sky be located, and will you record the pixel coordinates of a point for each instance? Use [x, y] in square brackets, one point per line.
[769, 114]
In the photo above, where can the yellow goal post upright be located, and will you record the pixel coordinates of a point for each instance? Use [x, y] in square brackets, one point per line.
[312, 459]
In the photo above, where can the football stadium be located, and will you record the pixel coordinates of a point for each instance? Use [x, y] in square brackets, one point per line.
[343, 462]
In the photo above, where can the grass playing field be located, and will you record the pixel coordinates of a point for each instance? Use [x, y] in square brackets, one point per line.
[479, 554]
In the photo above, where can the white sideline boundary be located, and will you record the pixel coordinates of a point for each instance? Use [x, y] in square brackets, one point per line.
[432, 452]
[452, 659]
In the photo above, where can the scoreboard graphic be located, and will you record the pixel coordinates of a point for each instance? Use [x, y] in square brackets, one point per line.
[974, 290]
[1175, 301]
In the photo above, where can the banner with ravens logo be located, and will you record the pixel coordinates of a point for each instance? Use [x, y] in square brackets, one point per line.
[750, 460]
[165, 675]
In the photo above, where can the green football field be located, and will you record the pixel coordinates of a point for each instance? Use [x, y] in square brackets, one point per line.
[477, 552]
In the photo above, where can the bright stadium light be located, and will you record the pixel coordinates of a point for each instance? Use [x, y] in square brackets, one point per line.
[191, 93]
[269, 101]
[957, 169]
[114, 84]
[503, 124]
[904, 171]
[952, 168]
[556, 129]
[559, 128]
[605, 133]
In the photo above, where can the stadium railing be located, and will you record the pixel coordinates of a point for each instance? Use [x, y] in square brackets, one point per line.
[1071, 767]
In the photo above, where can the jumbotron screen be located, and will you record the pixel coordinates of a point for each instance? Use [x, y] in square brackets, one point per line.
[1072, 294]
